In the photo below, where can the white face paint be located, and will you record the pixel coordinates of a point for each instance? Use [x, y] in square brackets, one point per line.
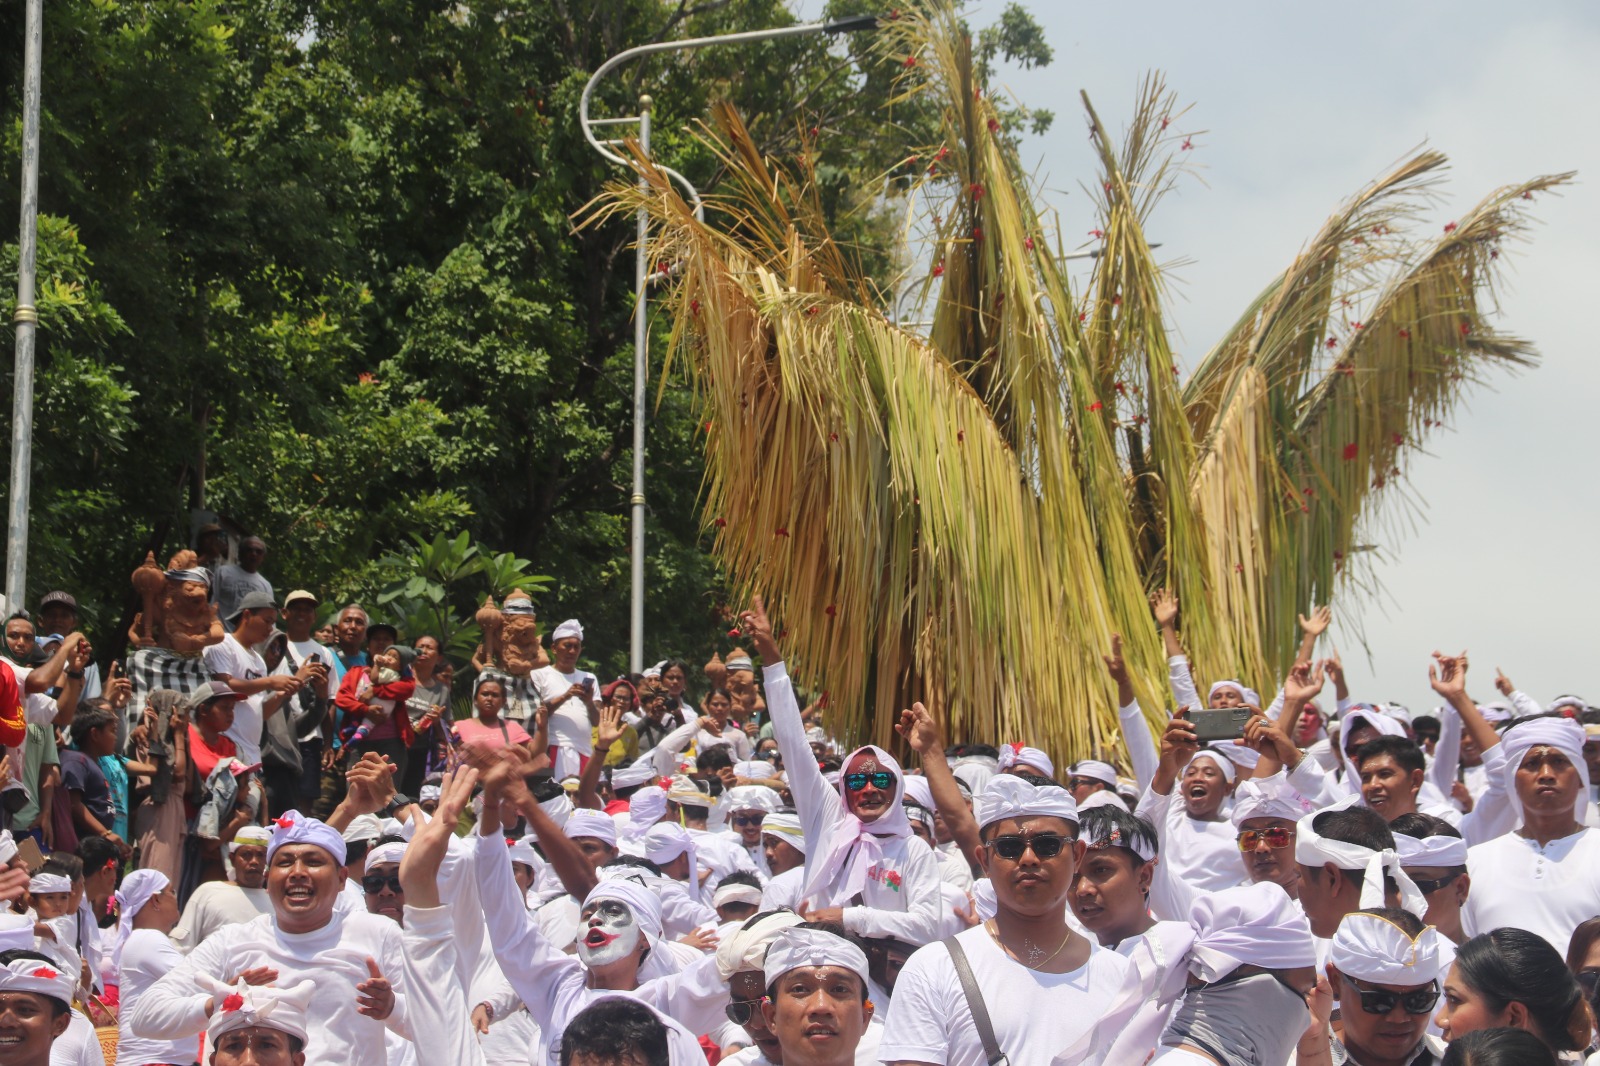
[609, 934]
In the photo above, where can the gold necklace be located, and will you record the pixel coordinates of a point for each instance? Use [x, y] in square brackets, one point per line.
[1035, 961]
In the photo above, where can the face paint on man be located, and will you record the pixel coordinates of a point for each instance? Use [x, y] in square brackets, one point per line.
[610, 935]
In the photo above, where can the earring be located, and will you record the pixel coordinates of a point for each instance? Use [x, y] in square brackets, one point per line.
[869, 1005]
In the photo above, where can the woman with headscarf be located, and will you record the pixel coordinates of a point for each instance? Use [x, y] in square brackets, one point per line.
[864, 867]
[158, 821]
[141, 955]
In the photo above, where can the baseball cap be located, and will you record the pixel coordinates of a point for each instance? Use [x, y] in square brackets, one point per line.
[65, 599]
[253, 601]
[382, 627]
[210, 690]
[300, 594]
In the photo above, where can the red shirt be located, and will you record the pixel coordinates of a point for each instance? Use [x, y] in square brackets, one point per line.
[13, 722]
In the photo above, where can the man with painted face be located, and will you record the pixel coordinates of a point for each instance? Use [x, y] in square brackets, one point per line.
[619, 933]
[343, 952]
[864, 868]
[1042, 984]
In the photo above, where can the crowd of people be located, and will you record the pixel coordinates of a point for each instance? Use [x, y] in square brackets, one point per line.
[304, 853]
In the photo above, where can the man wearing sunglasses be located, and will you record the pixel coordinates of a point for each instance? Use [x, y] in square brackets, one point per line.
[864, 867]
[1433, 855]
[1384, 970]
[1265, 810]
[1041, 983]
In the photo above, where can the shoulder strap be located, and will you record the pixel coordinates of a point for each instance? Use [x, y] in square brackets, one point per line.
[980, 1013]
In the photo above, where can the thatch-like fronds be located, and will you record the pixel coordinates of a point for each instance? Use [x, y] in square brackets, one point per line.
[967, 516]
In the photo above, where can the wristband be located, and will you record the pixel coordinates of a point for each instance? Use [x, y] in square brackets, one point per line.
[75, 674]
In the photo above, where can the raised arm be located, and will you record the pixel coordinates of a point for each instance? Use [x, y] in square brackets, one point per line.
[818, 805]
[1310, 629]
[1165, 606]
[608, 732]
[1135, 730]
[1448, 676]
[922, 732]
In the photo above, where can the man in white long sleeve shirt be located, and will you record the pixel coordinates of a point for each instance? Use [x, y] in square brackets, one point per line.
[864, 868]
[306, 937]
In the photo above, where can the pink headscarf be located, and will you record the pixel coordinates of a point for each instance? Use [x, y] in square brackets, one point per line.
[837, 871]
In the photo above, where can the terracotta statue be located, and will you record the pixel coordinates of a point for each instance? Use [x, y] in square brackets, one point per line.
[490, 621]
[741, 677]
[178, 615]
[716, 672]
[521, 648]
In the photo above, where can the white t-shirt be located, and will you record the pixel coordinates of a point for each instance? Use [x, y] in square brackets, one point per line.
[1547, 889]
[569, 721]
[303, 650]
[213, 905]
[146, 958]
[79, 1045]
[1034, 1014]
[785, 890]
[334, 958]
[239, 662]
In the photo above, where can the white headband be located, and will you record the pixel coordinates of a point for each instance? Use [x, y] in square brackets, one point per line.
[752, 798]
[522, 851]
[41, 978]
[251, 836]
[1009, 796]
[736, 893]
[1254, 925]
[570, 628]
[796, 947]
[1097, 835]
[244, 1006]
[393, 851]
[1103, 798]
[1224, 763]
[785, 827]
[138, 888]
[1563, 734]
[632, 775]
[1021, 755]
[1369, 947]
[589, 823]
[1269, 797]
[1314, 850]
[296, 828]
[1095, 770]
[1251, 696]
[1431, 851]
[47, 884]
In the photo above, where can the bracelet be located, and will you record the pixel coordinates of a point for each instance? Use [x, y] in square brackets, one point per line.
[75, 674]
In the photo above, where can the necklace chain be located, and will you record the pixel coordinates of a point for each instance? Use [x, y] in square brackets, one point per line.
[1036, 956]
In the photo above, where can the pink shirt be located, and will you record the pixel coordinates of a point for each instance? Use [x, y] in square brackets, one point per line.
[473, 731]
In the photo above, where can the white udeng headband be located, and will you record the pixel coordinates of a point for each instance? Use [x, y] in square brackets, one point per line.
[1431, 851]
[736, 894]
[1369, 947]
[1314, 850]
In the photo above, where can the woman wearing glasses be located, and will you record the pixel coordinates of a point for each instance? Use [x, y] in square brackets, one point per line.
[864, 868]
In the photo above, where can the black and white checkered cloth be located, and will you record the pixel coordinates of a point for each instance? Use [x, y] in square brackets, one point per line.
[153, 668]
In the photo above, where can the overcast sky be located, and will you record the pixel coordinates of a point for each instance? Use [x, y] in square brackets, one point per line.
[1304, 105]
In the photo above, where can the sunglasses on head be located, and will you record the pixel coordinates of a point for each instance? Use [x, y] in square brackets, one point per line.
[1277, 837]
[740, 1011]
[372, 884]
[1426, 887]
[1043, 846]
[1378, 1001]
[882, 780]
[742, 820]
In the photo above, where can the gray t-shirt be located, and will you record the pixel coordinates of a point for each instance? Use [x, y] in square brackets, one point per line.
[232, 584]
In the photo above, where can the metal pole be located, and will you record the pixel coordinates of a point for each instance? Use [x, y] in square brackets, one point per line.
[641, 371]
[26, 317]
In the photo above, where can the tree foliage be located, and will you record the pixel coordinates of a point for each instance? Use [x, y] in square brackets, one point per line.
[312, 267]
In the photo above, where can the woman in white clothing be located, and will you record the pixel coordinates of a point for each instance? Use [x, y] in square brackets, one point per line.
[1199, 849]
[141, 956]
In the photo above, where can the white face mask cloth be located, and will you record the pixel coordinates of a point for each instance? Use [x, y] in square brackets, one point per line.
[1252, 1021]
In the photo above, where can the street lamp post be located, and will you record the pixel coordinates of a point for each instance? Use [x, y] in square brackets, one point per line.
[26, 316]
[641, 338]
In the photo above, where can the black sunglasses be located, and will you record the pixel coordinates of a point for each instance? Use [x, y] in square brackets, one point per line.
[1043, 846]
[743, 820]
[372, 884]
[1588, 979]
[882, 780]
[740, 1011]
[1378, 1001]
[1426, 887]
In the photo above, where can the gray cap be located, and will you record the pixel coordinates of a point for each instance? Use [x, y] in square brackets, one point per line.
[210, 690]
[253, 601]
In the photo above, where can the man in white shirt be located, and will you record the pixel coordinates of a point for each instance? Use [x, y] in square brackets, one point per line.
[816, 1005]
[235, 663]
[567, 694]
[298, 617]
[306, 937]
[1041, 983]
[219, 903]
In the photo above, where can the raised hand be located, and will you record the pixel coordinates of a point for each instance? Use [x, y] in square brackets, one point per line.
[1165, 606]
[1115, 666]
[710, 725]
[1179, 742]
[1303, 683]
[1333, 669]
[920, 730]
[371, 784]
[755, 625]
[1448, 676]
[1317, 624]
[1503, 683]
[419, 866]
[609, 729]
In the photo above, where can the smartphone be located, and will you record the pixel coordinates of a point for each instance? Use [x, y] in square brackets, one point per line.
[1226, 723]
[314, 657]
[28, 851]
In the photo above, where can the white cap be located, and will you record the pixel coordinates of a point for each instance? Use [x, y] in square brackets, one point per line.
[796, 947]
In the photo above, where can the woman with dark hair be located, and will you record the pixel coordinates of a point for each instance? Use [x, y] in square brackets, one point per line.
[1511, 977]
[487, 726]
[622, 695]
[1498, 1047]
[1583, 959]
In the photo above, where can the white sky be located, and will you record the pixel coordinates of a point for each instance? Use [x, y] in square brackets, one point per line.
[1304, 105]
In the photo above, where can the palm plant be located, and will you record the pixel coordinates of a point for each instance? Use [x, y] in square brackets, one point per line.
[966, 516]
